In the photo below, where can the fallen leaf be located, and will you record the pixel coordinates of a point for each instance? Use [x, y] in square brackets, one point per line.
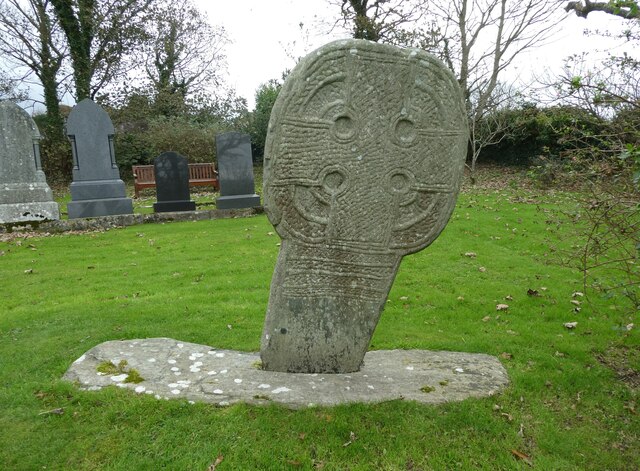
[212, 466]
[533, 292]
[629, 326]
[496, 407]
[486, 319]
[269, 233]
[522, 456]
[509, 297]
[470, 254]
[302, 436]
[521, 431]
[57, 411]
[482, 269]
[294, 462]
[570, 325]
[507, 416]
[460, 298]
[575, 302]
[404, 298]
[502, 307]
[29, 271]
[506, 356]
[577, 294]
[352, 438]
[2, 253]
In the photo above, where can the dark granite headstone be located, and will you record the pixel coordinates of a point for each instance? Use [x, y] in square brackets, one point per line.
[172, 183]
[24, 193]
[235, 167]
[97, 189]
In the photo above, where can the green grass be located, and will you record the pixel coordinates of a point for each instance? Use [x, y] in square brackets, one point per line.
[144, 203]
[566, 408]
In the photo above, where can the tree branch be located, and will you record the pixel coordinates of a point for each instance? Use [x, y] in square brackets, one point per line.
[624, 9]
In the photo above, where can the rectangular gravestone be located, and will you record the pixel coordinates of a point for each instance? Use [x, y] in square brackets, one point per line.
[172, 183]
[97, 189]
[24, 193]
[235, 167]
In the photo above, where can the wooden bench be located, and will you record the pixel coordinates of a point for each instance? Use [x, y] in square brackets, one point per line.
[199, 175]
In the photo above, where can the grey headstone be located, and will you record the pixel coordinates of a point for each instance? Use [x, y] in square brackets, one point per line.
[172, 183]
[97, 189]
[235, 168]
[24, 193]
[363, 163]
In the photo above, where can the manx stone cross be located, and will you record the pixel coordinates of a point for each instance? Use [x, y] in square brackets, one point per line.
[363, 162]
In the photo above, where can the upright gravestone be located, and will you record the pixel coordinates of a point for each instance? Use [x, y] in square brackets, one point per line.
[24, 193]
[97, 189]
[172, 183]
[235, 167]
[363, 163]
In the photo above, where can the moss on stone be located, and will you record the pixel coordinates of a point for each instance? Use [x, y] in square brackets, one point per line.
[133, 377]
[107, 368]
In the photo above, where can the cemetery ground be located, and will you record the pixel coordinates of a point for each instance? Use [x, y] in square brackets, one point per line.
[492, 283]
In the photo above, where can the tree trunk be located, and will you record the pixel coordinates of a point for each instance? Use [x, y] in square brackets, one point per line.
[79, 31]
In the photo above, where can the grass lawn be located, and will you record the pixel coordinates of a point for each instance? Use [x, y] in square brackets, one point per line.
[571, 404]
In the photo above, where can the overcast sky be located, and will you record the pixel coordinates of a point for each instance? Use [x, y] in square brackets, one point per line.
[266, 37]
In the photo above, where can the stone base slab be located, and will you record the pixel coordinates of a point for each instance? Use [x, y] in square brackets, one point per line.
[173, 206]
[99, 207]
[171, 369]
[25, 212]
[238, 201]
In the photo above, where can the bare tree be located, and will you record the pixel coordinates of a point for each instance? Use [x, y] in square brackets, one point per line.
[9, 88]
[184, 53]
[479, 40]
[624, 9]
[380, 20]
[610, 220]
[30, 41]
[603, 88]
